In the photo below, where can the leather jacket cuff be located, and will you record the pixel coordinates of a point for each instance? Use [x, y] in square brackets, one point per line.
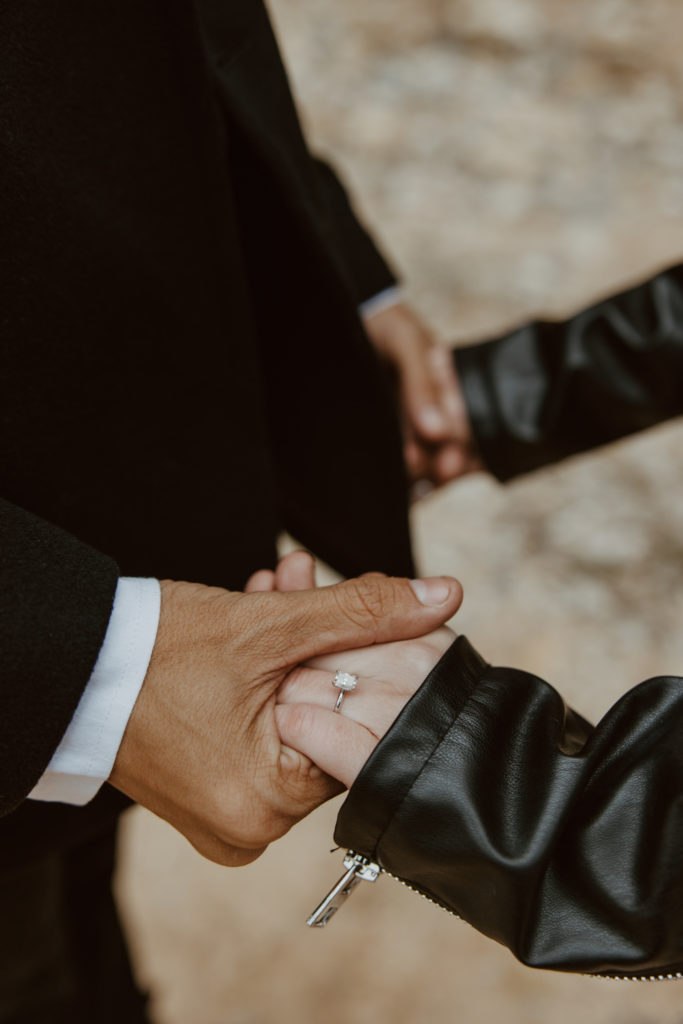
[392, 768]
[470, 366]
[510, 443]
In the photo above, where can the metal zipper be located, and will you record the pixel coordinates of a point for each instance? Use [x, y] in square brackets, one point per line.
[359, 868]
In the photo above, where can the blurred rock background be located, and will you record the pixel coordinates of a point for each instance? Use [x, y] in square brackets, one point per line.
[516, 157]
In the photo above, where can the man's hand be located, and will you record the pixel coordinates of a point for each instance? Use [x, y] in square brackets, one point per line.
[439, 445]
[202, 749]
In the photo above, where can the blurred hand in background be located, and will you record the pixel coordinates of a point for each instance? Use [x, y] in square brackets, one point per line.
[438, 442]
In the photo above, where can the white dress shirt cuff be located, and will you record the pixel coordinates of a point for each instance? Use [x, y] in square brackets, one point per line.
[383, 300]
[85, 757]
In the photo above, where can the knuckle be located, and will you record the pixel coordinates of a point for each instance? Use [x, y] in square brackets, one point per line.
[270, 827]
[234, 857]
[370, 600]
[224, 854]
[268, 833]
[250, 836]
[222, 850]
[295, 779]
[303, 787]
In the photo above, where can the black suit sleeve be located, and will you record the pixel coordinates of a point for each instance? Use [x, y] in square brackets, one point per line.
[366, 268]
[561, 840]
[259, 99]
[550, 390]
[55, 601]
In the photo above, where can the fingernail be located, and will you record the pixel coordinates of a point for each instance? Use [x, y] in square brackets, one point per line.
[431, 418]
[431, 592]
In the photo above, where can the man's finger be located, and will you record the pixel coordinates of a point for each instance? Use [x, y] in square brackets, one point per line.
[303, 784]
[335, 744]
[360, 612]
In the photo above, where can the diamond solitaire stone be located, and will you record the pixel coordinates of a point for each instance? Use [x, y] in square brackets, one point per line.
[345, 681]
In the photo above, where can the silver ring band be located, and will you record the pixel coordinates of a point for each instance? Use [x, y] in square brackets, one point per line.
[345, 682]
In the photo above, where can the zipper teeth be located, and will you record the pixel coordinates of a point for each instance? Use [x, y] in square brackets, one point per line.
[637, 977]
[422, 895]
[603, 977]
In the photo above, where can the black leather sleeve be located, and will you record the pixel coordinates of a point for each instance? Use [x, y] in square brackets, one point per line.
[550, 390]
[55, 601]
[366, 268]
[560, 840]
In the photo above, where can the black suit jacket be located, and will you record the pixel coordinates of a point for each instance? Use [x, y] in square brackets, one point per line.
[182, 369]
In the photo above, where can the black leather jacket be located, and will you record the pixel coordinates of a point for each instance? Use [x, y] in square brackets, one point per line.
[562, 841]
[488, 795]
[549, 390]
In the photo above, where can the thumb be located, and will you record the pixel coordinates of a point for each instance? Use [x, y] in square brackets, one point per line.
[364, 611]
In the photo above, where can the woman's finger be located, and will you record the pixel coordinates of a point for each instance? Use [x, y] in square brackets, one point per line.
[338, 746]
[295, 571]
[375, 703]
[406, 663]
[260, 582]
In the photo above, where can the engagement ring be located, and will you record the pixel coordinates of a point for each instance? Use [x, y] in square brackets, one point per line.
[345, 682]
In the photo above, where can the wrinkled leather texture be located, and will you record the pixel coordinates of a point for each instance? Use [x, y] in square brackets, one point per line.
[550, 390]
[561, 840]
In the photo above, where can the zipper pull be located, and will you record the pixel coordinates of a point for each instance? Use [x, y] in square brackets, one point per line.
[357, 868]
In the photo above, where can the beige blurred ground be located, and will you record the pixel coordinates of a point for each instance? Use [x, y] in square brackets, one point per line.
[517, 156]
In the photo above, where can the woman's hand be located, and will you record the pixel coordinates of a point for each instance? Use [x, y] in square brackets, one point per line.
[388, 675]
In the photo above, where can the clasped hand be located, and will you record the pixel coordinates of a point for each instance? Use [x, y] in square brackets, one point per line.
[389, 674]
[439, 445]
[231, 740]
